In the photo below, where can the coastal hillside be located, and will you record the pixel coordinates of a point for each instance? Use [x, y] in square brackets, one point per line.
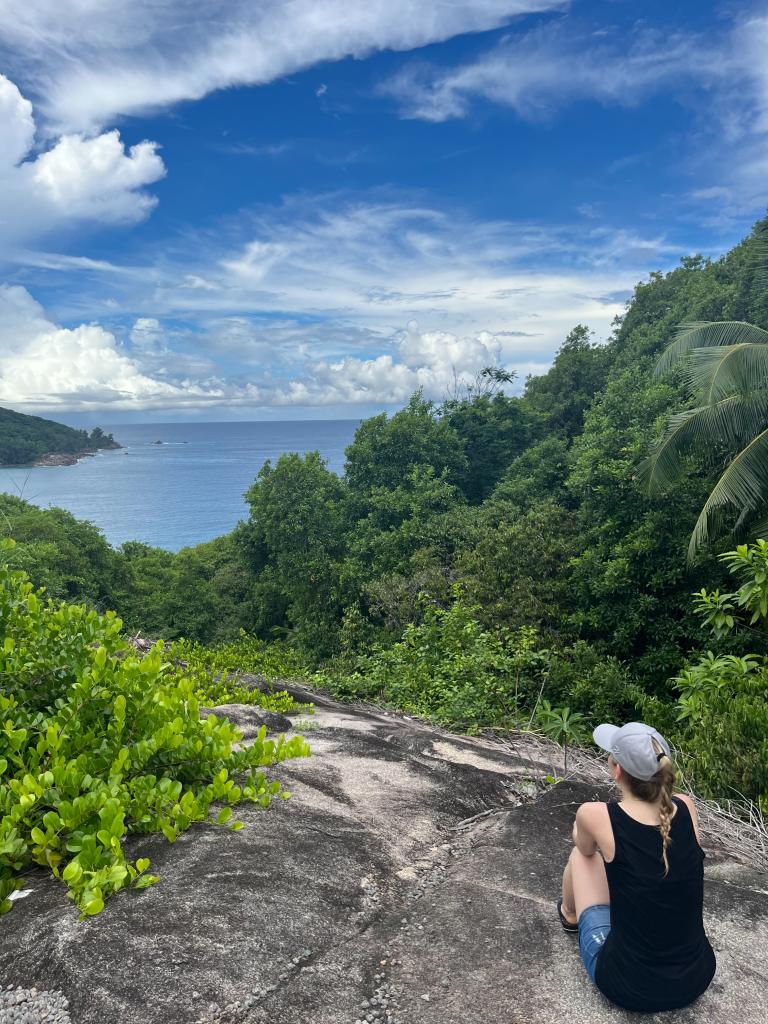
[499, 560]
[488, 580]
[29, 439]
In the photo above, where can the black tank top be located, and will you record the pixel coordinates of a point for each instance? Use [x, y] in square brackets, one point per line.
[656, 956]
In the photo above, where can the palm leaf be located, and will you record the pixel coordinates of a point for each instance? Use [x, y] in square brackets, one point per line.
[743, 484]
[759, 529]
[761, 257]
[715, 373]
[707, 334]
[732, 420]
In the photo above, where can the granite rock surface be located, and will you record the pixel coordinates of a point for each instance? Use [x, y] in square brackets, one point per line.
[410, 879]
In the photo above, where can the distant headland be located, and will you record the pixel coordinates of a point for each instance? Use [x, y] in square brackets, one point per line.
[34, 441]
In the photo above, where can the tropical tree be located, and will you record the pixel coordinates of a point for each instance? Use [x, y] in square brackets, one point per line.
[724, 366]
[298, 526]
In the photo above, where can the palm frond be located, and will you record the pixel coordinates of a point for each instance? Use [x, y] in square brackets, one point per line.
[715, 373]
[759, 529]
[664, 464]
[761, 258]
[733, 420]
[743, 485]
[707, 334]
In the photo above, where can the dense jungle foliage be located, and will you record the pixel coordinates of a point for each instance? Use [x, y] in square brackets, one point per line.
[25, 438]
[489, 560]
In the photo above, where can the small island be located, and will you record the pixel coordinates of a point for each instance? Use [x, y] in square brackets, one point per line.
[34, 441]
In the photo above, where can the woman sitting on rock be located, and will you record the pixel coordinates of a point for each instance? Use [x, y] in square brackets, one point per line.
[638, 905]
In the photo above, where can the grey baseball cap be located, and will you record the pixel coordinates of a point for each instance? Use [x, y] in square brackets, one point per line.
[631, 747]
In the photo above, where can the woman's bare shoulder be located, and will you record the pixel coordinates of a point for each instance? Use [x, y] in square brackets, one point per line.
[689, 803]
[687, 800]
[593, 811]
[593, 818]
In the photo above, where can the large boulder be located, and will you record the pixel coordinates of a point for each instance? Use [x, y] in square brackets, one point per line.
[411, 877]
[249, 719]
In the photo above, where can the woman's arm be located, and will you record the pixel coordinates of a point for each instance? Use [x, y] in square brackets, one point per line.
[694, 816]
[583, 832]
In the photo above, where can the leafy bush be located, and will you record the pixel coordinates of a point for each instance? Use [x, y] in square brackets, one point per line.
[273, 660]
[214, 671]
[591, 683]
[97, 743]
[723, 714]
[67, 556]
[450, 668]
[719, 611]
[567, 728]
[721, 711]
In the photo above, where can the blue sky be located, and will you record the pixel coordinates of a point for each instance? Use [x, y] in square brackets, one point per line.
[311, 209]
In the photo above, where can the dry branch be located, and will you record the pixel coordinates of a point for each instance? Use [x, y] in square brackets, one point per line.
[737, 828]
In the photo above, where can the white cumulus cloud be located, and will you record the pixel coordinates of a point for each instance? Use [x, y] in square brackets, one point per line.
[44, 367]
[96, 178]
[429, 360]
[147, 334]
[16, 123]
[78, 178]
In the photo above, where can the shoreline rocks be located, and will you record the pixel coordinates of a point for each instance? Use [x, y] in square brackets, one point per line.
[69, 458]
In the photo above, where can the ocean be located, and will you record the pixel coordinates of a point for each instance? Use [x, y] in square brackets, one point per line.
[184, 491]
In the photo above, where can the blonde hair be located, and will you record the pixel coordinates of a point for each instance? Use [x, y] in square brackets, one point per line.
[660, 786]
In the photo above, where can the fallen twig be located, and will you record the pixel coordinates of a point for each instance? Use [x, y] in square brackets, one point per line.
[482, 814]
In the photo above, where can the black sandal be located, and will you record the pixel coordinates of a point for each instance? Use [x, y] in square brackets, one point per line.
[568, 926]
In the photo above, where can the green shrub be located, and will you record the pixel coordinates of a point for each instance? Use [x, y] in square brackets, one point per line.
[214, 671]
[721, 714]
[449, 668]
[591, 683]
[567, 728]
[723, 717]
[97, 743]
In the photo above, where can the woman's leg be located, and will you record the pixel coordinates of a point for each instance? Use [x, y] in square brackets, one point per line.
[584, 884]
[569, 903]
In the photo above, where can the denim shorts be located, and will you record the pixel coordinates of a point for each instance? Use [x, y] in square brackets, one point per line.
[594, 926]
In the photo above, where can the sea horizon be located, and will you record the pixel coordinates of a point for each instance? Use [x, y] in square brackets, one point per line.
[185, 491]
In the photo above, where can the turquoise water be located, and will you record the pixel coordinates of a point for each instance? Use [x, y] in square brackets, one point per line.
[187, 489]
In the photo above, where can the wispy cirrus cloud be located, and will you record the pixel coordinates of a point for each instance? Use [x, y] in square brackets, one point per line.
[735, 149]
[93, 60]
[721, 80]
[370, 262]
[339, 300]
[540, 72]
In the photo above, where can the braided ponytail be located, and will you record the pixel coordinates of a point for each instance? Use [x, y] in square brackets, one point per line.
[666, 776]
[660, 787]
